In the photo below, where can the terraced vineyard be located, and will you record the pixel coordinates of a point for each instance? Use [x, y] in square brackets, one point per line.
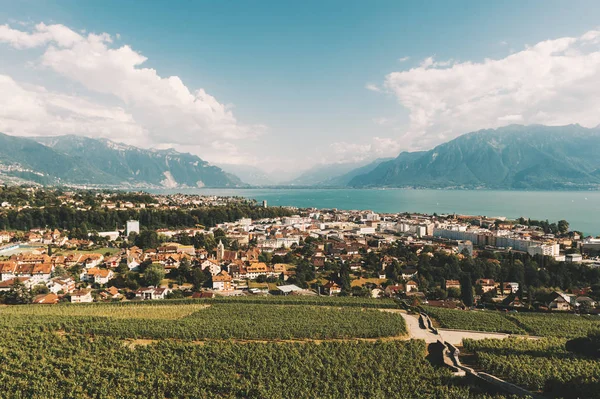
[540, 365]
[539, 324]
[489, 321]
[85, 351]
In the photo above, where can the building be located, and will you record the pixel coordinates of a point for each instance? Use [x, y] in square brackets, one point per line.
[465, 245]
[332, 288]
[82, 296]
[544, 249]
[46, 299]
[133, 226]
[222, 281]
[150, 293]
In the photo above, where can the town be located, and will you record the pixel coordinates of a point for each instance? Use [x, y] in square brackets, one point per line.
[440, 260]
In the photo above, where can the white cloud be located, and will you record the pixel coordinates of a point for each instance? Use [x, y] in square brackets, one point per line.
[355, 152]
[553, 82]
[404, 59]
[372, 87]
[152, 110]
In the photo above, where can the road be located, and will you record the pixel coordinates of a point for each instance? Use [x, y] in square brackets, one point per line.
[454, 337]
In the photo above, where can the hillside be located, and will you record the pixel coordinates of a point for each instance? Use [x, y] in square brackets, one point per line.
[513, 157]
[81, 160]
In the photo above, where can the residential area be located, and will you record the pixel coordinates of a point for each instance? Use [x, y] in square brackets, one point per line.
[442, 260]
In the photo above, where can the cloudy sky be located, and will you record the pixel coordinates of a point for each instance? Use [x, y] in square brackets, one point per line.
[286, 85]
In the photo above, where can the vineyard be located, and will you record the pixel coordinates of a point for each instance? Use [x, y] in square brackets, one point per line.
[473, 320]
[540, 365]
[40, 364]
[556, 325]
[538, 324]
[197, 321]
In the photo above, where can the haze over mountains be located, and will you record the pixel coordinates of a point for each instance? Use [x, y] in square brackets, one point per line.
[512, 157]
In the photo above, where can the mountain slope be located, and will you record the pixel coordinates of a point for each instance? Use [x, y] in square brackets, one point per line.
[513, 157]
[344, 179]
[166, 168]
[248, 174]
[325, 174]
[81, 160]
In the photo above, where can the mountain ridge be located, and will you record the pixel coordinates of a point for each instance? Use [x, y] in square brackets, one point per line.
[82, 160]
[511, 157]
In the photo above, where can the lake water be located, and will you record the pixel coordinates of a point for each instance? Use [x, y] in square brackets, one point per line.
[580, 208]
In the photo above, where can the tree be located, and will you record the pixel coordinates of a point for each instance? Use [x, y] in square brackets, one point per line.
[18, 294]
[466, 290]
[563, 226]
[154, 275]
[59, 271]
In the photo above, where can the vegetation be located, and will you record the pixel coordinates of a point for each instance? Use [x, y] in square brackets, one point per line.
[45, 365]
[540, 365]
[538, 324]
[218, 321]
[556, 325]
[473, 320]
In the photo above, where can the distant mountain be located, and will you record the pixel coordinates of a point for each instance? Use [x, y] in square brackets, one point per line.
[344, 179]
[249, 174]
[512, 157]
[81, 160]
[324, 174]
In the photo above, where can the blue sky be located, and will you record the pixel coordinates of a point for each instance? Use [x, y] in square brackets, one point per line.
[294, 77]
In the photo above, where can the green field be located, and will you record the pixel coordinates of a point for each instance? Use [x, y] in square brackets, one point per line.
[197, 321]
[540, 365]
[538, 324]
[217, 348]
[490, 321]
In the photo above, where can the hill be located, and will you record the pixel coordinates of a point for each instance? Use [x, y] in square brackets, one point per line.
[81, 160]
[512, 157]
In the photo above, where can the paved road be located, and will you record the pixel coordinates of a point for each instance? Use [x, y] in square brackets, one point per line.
[415, 331]
[454, 337]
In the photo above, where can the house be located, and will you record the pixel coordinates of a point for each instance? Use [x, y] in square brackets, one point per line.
[46, 299]
[586, 301]
[96, 275]
[212, 265]
[150, 293]
[82, 296]
[486, 284]
[110, 293]
[452, 284]
[92, 260]
[412, 286]
[6, 285]
[332, 288]
[394, 290]
[64, 284]
[562, 302]
[203, 294]
[258, 269]
[222, 281]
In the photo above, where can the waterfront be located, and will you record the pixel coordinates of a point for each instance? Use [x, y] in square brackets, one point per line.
[580, 208]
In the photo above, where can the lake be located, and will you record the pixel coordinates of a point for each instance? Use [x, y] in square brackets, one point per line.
[580, 208]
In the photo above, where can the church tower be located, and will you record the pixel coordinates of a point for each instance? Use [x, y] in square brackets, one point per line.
[220, 251]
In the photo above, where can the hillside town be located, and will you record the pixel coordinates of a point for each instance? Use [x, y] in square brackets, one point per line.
[443, 260]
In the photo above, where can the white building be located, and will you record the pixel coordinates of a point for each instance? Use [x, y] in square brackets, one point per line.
[133, 226]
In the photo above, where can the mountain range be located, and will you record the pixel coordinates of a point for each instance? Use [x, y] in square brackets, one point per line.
[512, 157]
[85, 161]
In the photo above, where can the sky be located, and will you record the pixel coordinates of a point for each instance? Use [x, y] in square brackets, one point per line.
[284, 86]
